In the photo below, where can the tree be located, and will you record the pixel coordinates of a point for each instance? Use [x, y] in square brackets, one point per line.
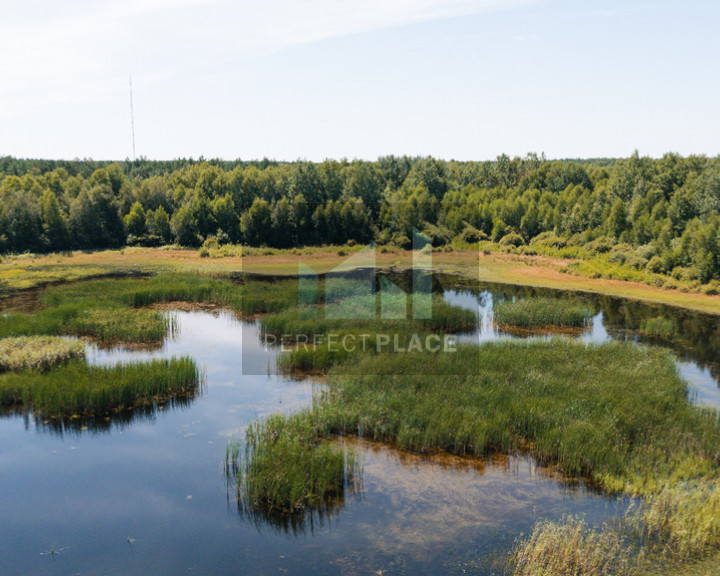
[256, 223]
[283, 226]
[95, 220]
[161, 224]
[55, 229]
[365, 182]
[617, 223]
[135, 220]
[184, 227]
[225, 217]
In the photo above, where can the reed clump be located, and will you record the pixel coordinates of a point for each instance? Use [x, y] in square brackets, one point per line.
[671, 529]
[571, 548]
[541, 312]
[78, 389]
[37, 352]
[658, 327]
[287, 468]
[681, 522]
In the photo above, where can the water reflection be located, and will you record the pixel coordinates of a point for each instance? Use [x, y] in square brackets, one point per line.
[76, 425]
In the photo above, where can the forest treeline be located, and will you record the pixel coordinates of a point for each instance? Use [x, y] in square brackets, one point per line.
[663, 213]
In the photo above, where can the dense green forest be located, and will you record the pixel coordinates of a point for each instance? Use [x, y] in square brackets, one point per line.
[660, 216]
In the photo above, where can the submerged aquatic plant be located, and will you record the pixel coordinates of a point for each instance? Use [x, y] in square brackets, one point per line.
[37, 352]
[541, 312]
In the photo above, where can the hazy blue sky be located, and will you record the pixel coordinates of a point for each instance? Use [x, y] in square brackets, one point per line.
[288, 79]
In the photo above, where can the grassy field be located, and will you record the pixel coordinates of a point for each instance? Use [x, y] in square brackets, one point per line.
[27, 271]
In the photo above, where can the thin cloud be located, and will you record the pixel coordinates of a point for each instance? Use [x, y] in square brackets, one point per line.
[85, 50]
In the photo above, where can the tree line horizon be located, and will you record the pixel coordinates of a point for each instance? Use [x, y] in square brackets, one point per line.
[664, 212]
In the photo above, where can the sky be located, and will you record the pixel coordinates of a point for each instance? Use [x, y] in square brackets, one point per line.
[317, 79]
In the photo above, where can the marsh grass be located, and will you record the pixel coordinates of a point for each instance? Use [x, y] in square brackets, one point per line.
[358, 315]
[78, 389]
[118, 309]
[37, 352]
[669, 530]
[681, 522]
[313, 359]
[288, 470]
[616, 413]
[570, 548]
[541, 312]
[658, 327]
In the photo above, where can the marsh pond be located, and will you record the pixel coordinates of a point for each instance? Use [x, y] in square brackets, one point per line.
[147, 490]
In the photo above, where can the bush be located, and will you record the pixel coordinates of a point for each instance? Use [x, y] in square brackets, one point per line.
[712, 288]
[471, 235]
[147, 240]
[548, 240]
[636, 261]
[439, 235]
[211, 242]
[683, 274]
[402, 241]
[655, 265]
[512, 239]
[600, 245]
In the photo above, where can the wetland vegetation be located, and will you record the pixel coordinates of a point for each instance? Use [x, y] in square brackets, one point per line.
[542, 313]
[37, 352]
[79, 390]
[615, 415]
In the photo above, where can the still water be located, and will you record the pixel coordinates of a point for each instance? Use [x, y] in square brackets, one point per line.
[149, 495]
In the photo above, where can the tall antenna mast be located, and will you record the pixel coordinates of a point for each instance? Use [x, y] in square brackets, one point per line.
[132, 117]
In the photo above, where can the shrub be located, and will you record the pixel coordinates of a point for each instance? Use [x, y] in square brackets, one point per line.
[512, 239]
[600, 245]
[548, 240]
[471, 235]
[656, 265]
